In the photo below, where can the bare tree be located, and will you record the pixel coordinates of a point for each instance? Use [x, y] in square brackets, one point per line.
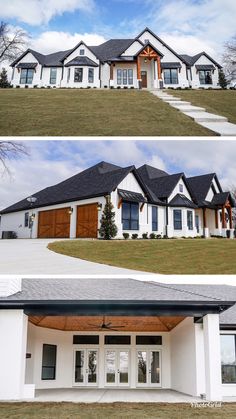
[229, 59]
[12, 42]
[11, 150]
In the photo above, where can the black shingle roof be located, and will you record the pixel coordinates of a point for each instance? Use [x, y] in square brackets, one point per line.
[162, 186]
[93, 289]
[82, 61]
[191, 60]
[182, 201]
[111, 49]
[200, 185]
[98, 180]
[170, 65]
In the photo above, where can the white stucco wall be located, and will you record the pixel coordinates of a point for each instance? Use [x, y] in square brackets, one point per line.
[125, 66]
[28, 58]
[133, 49]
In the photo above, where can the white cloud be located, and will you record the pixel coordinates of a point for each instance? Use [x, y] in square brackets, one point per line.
[38, 12]
[52, 41]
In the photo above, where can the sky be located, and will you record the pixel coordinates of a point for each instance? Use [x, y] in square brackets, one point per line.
[52, 161]
[189, 26]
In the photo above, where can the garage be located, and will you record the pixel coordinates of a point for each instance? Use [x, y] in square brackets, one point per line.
[87, 221]
[54, 223]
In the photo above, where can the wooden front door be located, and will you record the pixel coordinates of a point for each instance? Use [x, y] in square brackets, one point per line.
[54, 224]
[144, 79]
[87, 221]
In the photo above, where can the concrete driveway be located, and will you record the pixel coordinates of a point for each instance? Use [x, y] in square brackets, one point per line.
[31, 257]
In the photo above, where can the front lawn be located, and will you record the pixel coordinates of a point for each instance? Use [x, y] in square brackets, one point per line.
[73, 112]
[115, 410]
[182, 256]
[220, 102]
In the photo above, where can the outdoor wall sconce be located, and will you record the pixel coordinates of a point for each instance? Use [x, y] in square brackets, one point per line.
[99, 206]
[71, 211]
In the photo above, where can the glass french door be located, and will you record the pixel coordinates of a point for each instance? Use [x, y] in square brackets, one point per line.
[117, 367]
[149, 368]
[86, 367]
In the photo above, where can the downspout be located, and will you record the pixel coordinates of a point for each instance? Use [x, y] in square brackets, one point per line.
[167, 217]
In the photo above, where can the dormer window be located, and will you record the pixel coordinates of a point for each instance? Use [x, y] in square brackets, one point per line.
[181, 188]
[146, 41]
[81, 52]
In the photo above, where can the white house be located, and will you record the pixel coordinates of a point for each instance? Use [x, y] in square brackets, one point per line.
[109, 333]
[142, 62]
[146, 200]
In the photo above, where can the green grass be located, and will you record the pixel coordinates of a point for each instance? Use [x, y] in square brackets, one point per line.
[116, 410]
[220, 102]
[186, 256]
[73, 112]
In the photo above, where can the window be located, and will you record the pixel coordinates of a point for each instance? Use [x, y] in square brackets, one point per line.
[146, 41]
[228, 359]
[190, 220]
[205, 77]
[68, 75]
[26, 219]
[49, 362]
[154, 219]
[125, 77]
[177, 220]
[91, 75]
[171, 76]
[53, 76]
[78, 75]
[130, 216]
[82, 52]
[117, 340]
[148, 340]
[26, 76]
[85, 340]
[181, 188]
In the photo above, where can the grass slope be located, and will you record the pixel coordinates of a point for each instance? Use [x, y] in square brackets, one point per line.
[73, 112]
[116, 410]
[187, 256]
[220, 102]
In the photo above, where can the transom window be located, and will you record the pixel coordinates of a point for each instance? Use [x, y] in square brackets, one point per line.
[154, 219]
[190, 220]
[78, 75]
[26, 76]
[49, 362]
[130, 216]
[228, 359]
[82, 52]
[171, 76]
[125, 76]
[53, 76]
[205, 77]
[26, 219]
[177, 220]
[91, 75]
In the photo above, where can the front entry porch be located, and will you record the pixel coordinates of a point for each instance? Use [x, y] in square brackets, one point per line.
[113, 396]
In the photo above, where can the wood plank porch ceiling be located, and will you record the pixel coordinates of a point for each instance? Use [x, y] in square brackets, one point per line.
[83, 324]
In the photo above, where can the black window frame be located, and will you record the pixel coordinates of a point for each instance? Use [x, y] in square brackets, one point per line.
[154, 222]
[171, 76]
[53, 79]
[52, 367]
[130, 220]
[125, 76]
[205, 77]
[190, 220]
[229, 365]
[78, 76]
[82, 52]
[117, 340]
[27, 78]
[148, 340]
[86, 339]
[27, 219]
[91, 77]
[178, 224]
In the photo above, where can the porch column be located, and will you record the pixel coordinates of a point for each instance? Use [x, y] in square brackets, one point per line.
[73, 222]
[139, 71]
[111, 72]
[159, 68]
[13, 330]
[211, 332]
[216, 219]
[205, 229]
[223, 217]
[230, 218]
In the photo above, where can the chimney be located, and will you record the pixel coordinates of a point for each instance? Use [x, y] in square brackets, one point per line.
[9, 286]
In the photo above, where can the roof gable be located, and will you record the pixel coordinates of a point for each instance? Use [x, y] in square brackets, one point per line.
[200, 186]
[191, 60]
[111, 49]
[70, 52]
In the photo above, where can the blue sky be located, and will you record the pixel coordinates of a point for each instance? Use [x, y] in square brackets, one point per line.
[187, 25]
[53, 161]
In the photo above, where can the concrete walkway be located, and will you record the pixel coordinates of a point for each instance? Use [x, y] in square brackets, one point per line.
[77, 395]
[31, 257]
[215, 123]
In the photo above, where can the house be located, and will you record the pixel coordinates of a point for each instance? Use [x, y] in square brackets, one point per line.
[142, 62]
[109, 333]
[146, 200]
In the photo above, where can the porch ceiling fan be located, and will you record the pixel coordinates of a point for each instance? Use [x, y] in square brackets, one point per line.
[106, 326]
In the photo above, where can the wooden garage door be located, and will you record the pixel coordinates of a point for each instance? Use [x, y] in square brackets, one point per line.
[54, 224]
[87, 221]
